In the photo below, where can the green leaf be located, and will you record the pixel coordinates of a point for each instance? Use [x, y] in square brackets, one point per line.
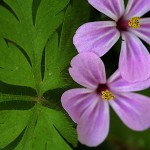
[63, 125]
[14, 66]
[25, 29]
[19, 28]
[58, 54]
[43, 129]
[12, 123]
[53, 77]
[48, 19]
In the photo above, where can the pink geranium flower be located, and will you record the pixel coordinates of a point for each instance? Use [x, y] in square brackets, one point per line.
[89, 106]
[100, 36]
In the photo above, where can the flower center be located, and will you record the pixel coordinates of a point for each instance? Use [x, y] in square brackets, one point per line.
[134, 23]
[122, 24]
[104, 92]
[107, 95]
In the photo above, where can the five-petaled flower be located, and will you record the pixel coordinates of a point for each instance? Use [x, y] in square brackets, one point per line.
[100, 36]
[89, 106]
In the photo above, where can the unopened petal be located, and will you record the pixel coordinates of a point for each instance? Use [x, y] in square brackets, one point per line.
[112, 8]
[134, 62]
[88, 70]
[133, 110]
[93, 125]
[97, 37]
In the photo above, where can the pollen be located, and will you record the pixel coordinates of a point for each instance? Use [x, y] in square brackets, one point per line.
[107, 95]
[134, 22]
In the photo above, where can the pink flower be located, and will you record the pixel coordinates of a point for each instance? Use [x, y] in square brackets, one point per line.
[100, 36]
[89, 106]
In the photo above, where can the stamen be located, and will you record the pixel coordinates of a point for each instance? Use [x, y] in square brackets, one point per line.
[106, 95]
[134, 22]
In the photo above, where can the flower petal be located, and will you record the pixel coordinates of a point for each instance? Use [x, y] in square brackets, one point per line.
[97, 37]
[93, 125]
[137, 8]
[114, 9]
[134, 63]
[144, 31]
[133, 109]
[117, 83]
[88, 70]
[76, 101]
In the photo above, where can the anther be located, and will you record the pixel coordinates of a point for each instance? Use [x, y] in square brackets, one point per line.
[107, 95]
[134, 22]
